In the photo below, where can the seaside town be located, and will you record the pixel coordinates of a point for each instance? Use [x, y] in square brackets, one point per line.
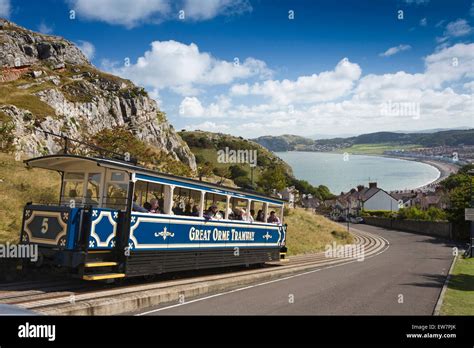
[349, 206]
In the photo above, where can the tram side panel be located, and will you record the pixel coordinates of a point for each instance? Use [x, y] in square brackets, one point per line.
[161, 244]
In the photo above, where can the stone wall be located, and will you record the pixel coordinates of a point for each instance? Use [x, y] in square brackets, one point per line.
[432, 228]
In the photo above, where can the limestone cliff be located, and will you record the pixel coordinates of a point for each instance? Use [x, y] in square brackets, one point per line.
[46, 83]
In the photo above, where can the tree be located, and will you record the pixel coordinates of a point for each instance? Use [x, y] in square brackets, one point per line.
[205, 170]
[272, 178]
[237, 171]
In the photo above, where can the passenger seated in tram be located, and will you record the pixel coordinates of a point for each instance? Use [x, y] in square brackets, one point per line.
[147, 206]
[179, 209]
[155, 209]
[136, 207]
[195, 211]
[260, 216]
[273, 219]
[212, 213]
[246, 216]
[89, 199]
[230, 214]
[237, 214]
[187, 210]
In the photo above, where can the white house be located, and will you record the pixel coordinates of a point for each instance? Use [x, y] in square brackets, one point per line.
[367, 198]
[379, 199]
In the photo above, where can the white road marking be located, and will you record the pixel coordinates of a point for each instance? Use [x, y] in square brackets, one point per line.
[260, 284]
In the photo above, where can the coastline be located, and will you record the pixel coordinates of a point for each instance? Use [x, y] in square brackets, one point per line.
[445, 169]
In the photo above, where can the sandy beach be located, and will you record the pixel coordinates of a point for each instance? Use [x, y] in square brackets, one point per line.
[445, 169]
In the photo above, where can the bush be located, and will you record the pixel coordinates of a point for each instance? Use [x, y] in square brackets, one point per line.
[243, 181]
[379, 213]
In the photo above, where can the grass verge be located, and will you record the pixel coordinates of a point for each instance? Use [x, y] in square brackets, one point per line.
[459, 297]
[309, 232]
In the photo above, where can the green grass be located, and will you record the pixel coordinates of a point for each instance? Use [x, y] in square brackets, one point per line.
[24, 99]
[18, 186]
[459, 297]
[375, 149]
[309, 233]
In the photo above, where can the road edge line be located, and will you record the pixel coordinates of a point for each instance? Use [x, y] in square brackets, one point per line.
[440, 301]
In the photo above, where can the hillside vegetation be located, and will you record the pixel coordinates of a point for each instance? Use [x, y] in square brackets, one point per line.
[18, 186]
[309, 233]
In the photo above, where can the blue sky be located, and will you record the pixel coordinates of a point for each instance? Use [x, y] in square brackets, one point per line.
[322, 72]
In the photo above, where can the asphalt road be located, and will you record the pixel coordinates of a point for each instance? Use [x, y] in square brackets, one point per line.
[405, 279]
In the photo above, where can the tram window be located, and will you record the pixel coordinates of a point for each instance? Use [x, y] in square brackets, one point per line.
[116, 190]
[73, 188]
[220, 201]
[93, 188]
[116, 196]
[74, 176]
[146, 191]
[278, 212]
[117, 176]
[186, 201]
[259, 211]
[238, 209]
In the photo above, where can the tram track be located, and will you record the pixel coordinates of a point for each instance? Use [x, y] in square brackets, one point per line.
[77, 297]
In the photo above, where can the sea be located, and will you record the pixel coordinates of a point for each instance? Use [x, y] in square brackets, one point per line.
[341, 172]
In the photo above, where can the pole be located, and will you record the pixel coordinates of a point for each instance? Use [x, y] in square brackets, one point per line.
[471, 223]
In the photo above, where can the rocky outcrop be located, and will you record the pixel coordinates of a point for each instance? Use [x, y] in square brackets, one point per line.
[21, 47]
[57, 90]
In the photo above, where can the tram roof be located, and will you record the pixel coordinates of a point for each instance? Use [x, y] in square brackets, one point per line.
[61, 162]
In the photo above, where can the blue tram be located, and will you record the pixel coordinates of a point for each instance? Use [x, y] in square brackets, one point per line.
[100, 228]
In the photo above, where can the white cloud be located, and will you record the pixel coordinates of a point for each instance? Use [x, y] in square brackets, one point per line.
[360, 109]
[5, 8]
[469, 86]
[133, 13]
[87, 48]
[202, 10]
[122, 12]
[192, 107]
[327, 85]
[208, 126]
[423, 22]
[181, 67]
[43, 28]
[394, 50]
[457, 28]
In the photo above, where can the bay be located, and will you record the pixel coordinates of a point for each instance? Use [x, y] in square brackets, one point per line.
[340, 173]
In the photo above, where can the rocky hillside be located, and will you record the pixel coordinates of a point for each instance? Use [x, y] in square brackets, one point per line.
[286, 142]
[47, 84]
